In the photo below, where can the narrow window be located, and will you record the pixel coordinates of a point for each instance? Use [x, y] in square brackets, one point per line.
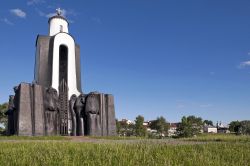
[63, 62]
[61, 28]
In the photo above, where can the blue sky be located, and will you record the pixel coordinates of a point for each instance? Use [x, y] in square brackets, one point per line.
[157, 57]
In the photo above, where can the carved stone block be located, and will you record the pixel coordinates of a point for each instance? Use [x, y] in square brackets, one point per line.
[24, 125]
[111, 124]
[38, 110]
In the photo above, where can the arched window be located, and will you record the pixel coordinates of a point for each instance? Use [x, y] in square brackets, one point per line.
[63, 89]
[63, 63]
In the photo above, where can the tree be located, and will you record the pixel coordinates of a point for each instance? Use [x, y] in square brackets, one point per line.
[235, 126]
[118, 126]
[124, 129]
[130, 129]
[245, 127]
[3, 117]
[140, 130]
[189, 126]
[240, 127]
[208, 122]
[160, 125]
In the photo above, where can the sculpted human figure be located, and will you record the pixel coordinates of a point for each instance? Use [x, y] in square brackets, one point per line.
[10, 113]
[73, 114]
[15, 104]
[51, 107]
[79, 108]
[92, 113]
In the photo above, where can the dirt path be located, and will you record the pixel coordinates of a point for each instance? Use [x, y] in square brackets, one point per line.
[81, 139]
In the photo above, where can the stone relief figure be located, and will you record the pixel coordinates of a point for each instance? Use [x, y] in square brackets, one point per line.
[15, 103]
[79, 111]
[73, 114]
[92, 114]
[51, 107]
[10, 113]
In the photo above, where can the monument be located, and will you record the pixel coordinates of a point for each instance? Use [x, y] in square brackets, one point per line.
[54, 104]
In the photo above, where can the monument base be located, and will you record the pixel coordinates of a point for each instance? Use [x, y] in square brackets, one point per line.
[35, 111]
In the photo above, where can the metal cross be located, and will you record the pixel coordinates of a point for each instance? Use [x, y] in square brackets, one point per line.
[59, 11]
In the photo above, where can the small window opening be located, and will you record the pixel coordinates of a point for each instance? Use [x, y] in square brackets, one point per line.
[61, 28]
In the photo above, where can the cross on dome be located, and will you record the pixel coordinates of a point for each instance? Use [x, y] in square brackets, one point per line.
[59, 11]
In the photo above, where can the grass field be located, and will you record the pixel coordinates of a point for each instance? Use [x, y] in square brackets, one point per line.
[67, 152]
[219, 138]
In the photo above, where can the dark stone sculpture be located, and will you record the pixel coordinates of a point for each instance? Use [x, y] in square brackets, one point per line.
[14, 105]
[11, 118]
[63, 107]
[73, 114]
[51, 107]
[79, 111]
[35, 110]
[92, 111]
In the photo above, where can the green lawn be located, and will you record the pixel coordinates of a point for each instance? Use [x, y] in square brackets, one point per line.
[219, 138]
[209, 152]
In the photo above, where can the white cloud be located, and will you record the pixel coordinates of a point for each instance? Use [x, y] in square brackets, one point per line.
[40, 13]
[72, 12]
[50, 15]
[244, 64]
[71, 21]
[33, 2]
[6, 21]
[206, 105]
[18, 13]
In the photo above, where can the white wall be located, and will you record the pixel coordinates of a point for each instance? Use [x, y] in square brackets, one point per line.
[209, 129]
[55, 24]
[66, 40]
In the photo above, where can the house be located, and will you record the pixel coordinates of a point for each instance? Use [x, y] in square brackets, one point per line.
[126, 121]
[221, 128]
[172, 129]
[209, 129]
[126, 128]
[146, 124]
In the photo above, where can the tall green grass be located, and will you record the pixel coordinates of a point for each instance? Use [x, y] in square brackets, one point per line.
[219, 138]
[69, 153]
[118, 137]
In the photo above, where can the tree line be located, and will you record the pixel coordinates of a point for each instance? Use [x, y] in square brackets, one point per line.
[160, 125]
[240, 127]
[188, 127]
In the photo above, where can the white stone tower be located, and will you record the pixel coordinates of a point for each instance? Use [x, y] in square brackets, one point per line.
[58, 57]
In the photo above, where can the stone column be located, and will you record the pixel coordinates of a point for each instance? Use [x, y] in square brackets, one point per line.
[39, 128]
[111, 124]
[24, 125]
